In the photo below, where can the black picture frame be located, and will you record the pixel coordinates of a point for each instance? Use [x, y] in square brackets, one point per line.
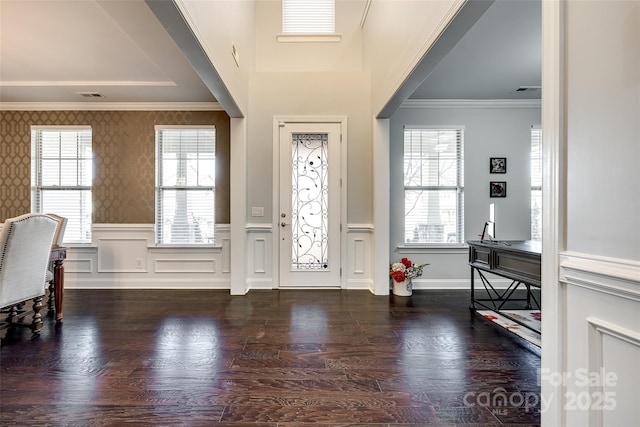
[498, 189]
[498, 165]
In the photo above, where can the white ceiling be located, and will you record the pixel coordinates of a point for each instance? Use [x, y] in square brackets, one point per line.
[500, 53]
[51, 50]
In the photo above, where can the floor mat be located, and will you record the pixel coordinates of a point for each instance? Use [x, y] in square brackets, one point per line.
[528, 317]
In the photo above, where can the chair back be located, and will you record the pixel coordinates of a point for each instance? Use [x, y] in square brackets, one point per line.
[25, 248]
[62, 225]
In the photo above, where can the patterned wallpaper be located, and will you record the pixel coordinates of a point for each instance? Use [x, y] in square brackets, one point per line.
[124, 168]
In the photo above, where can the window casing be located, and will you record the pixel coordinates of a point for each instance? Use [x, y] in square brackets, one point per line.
[61, 177]
[433, 186]
[308, 16]
[536, 183]
[185, 185]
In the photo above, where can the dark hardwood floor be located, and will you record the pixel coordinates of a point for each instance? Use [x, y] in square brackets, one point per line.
[270, 358]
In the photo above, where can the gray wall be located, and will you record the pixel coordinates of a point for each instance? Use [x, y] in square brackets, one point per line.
[603, 130]
[501, 131]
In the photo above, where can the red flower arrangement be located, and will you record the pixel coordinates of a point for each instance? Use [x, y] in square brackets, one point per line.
[405, 270]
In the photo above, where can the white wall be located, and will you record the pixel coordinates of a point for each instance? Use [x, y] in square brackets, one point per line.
[218, 25]
[298, 79]
[600, 268]
[603, 128]
[491, 129]
[397, 33]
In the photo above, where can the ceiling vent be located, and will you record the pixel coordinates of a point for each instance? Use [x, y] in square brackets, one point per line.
[90, 94]
[528, 88]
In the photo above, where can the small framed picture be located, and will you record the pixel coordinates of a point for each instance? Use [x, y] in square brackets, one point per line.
[497, 189]
[498, 165]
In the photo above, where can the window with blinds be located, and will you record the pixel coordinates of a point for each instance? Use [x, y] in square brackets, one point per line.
[433, 186]
[536, 183]
[185, 184]
[61, 177]
[308, 16]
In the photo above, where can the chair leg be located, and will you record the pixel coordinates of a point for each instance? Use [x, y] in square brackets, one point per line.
[36, 324]
[51, 300]
[13, 312]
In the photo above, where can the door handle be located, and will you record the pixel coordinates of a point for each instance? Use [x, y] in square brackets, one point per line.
[283, 224]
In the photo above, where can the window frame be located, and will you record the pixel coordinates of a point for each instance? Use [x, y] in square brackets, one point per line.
[37, 173]
[292, 35]
[159, 189]
[458, 188]
[536, 235]
[320, 14]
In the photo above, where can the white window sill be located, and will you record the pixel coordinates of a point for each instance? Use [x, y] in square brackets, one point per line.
[445, 248]
[308, 38]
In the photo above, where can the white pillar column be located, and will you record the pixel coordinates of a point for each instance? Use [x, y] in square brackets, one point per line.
[238, 176]
[381, 198]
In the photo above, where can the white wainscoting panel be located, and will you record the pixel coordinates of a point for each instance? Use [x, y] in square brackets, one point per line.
[602, 340]
[224, 231]
[259, 256]
[81, 260]
[178, 265]
[125, 256]
[357, 274]
[122, 248]
[612, 352]
[120, 255]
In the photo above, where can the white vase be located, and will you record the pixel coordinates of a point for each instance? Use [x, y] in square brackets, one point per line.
[402, 289]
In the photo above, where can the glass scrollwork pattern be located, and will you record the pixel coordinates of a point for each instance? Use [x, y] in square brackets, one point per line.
[309, 190]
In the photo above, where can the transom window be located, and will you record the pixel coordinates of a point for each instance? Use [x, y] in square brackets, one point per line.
[308, 16]
[185, 184]
[61, 177]
[433, 186]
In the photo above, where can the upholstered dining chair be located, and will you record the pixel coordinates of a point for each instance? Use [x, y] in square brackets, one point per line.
[62, 225]
[25, 247]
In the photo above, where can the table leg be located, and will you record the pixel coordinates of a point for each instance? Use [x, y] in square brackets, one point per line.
[472, 306]
[58, 280]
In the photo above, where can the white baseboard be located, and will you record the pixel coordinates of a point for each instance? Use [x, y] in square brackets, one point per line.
[359, 284]
[144, 283]
[260, 284]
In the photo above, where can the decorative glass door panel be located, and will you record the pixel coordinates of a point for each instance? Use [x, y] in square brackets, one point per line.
[309, 201]
[309, 222]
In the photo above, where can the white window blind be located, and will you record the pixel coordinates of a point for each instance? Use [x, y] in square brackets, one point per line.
[536, 183]
[185, 185]
[308, 16]
[434, 185]
[61, 177]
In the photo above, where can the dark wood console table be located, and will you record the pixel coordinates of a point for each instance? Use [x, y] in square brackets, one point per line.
[56, 289]
[518, 261]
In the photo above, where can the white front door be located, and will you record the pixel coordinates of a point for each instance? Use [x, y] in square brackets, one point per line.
[309, 217]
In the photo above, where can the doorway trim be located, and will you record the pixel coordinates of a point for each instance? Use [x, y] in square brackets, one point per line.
[342, 121]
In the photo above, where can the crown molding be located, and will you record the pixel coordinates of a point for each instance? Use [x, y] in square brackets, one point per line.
[472, 103]
[110, 106]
